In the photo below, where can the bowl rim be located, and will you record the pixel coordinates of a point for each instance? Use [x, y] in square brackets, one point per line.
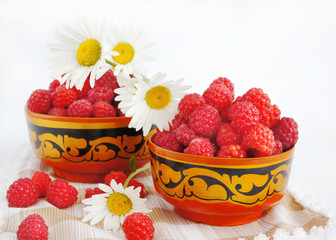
[218, 161]
[75, 119]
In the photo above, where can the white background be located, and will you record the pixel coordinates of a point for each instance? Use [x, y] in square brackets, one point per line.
[288, 48]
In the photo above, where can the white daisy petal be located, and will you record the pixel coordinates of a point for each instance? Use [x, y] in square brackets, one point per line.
[100, 215]
[105, 188]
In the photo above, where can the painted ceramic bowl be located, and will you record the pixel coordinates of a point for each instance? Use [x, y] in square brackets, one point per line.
[86, 149]
[219, 191]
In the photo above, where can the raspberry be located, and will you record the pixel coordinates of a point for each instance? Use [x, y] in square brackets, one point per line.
[243, 116]
[205, 121]
[286, 131]
[177, 121]
[118, 176]
[277, 148]
[259, 138]
[219, 96]
[258, 98]
[201, 147]
[168, 141]
[138, 226]
[188, 103]
[117, 109]
[42, 181]
[103, 109]
[270, 116]
[231, 151]
[32, 227]
[63, 97]
[80, 108]
[100, 94]
[83, 93]
[53, 85]
[226, 135]
[89, 192]
[61, 194]
[108, 80]
[224, 81]
[137, 184]
[224, 115]
[22, 193]
[39, 101]
[57, 111]
[184, 134]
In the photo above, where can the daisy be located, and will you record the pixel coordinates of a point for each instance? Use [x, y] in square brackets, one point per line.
[151, 102]
[114, 205]
[131, 48]
[80, 54]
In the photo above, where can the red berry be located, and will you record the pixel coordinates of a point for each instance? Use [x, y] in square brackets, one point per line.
[32, 227]
[39, 101]
[117, 109]
[226, 135]
[63, 97]
[258, 98]
[80, 108]
[205, 121]
[108, 80]
[118, 176]
[53, 85]
[22, 193]
[219, 96]
[103, 109]
[201, 147]
[61, 194]
[184, 134]
[57, 111]
[89, 192]
[83, 93]
[168, 141]
[259, 138]
[188, 103]
[277, 148]
[231, 151]
[42, 181]
[177, 121]
[270, 116]
[138, 226]
[286, 131]
[100, 94]
[224, 81]
[243, 116]
[137, 184]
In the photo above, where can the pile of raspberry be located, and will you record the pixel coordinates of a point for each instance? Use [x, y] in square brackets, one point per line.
[59, 100]
[216, 124]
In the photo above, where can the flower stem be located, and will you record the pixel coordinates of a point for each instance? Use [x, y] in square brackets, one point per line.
[111, 63]
[144, 168]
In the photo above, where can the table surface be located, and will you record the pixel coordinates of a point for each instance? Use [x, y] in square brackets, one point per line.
[287, 48]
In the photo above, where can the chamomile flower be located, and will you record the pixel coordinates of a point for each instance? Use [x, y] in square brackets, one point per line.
[133, 51]
[114, 205]
[80, 54]
[151, 102]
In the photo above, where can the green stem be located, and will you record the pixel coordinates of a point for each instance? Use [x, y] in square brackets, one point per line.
[111, 63]
[144, 168]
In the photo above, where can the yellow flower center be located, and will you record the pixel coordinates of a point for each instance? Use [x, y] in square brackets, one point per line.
[119, 204]
[126, 53]
[88, 52]
[158, 97]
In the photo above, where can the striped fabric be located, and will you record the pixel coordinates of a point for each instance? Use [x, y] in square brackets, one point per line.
[290, 219]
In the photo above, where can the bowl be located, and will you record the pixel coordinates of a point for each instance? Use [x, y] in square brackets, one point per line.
[86, 149]
[219, 191]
